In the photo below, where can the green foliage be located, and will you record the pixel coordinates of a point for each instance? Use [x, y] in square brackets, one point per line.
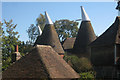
[87, 75]
[81, 66]
[32, 33]
[25, 48]
[1, 30]
[66, 28]
[78, 64]
[41, 21]
[9, 40]
[33, 30]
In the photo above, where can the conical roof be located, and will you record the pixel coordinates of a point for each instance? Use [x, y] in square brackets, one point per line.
[110, 36]
[84, 15]
[42, 62]
[85, 36]
[48, 20]
[49, 36]
[40, 31]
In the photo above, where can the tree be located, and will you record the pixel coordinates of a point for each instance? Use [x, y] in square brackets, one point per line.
[32, 33]
[24, 48]
[1, 32]
[9, 40]
[33, 29]
[41, 21]
[66, 29]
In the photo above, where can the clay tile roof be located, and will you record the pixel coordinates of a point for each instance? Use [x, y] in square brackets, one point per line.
[110, 36]
[68, 43]
[84, 37]
[50, 37]
[41, 62]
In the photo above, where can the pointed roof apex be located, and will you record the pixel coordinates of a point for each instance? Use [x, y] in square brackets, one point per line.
[40, 31]
[84, 15]
[48, 20]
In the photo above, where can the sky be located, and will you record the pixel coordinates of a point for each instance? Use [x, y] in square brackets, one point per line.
[102, 14]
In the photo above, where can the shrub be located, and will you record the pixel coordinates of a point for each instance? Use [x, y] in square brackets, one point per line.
[78, 64]
[87, 75]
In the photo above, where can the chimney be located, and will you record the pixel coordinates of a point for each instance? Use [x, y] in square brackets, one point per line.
[61, 54]
[16, 55]
[16, 48]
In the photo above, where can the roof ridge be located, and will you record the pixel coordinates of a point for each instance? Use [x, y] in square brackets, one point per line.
[111, 32]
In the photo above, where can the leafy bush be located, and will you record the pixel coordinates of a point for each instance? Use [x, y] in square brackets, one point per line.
[87, 75]
[78, 64]
[81, 65]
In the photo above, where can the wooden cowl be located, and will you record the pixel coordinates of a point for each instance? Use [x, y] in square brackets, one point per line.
[84, 37]
[50, 37]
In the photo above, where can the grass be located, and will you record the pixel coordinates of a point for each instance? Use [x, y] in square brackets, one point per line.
[87, 75]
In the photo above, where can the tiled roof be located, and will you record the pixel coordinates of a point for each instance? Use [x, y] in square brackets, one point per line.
[50, 37]
[68, 43]
[84, 37]
[110, 36]
[41, 62]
